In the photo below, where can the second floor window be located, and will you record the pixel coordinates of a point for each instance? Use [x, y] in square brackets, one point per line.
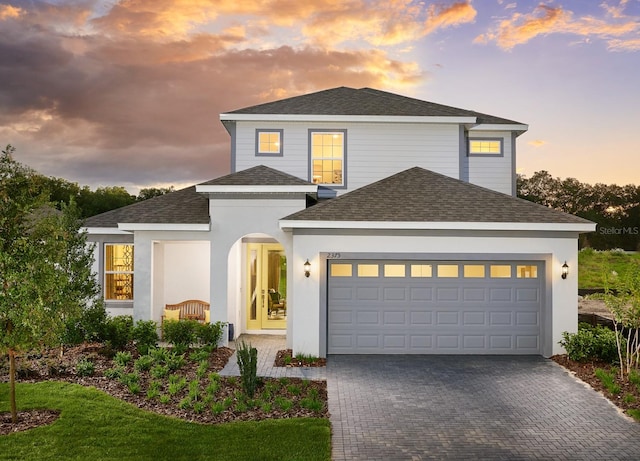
[327, 157]
[483, 146]
[118, 272]
[269, 142]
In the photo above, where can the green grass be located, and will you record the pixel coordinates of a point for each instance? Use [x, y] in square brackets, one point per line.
[95, 426]
[593, 264]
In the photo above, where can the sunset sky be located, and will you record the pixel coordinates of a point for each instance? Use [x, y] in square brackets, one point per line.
[128, 92]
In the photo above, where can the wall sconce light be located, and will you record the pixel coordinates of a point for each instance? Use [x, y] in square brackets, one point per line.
[307, 268]
[565, 270]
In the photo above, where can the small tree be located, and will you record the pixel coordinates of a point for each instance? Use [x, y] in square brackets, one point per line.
[624, 304]
[45, 266]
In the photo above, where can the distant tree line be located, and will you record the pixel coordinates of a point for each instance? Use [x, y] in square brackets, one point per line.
[616, 209]
[92, 202]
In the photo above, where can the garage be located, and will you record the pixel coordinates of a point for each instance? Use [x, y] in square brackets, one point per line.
[434, 307]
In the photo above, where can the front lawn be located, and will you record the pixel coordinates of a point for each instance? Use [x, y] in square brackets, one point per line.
[592, 265]
[96, 426]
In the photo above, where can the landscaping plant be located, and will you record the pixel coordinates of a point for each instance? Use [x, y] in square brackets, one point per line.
[622, 297]
[248, 363]
[45, 266]
[145, 334]
[591, 343]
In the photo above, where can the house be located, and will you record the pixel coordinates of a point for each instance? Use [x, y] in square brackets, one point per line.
[356, 221]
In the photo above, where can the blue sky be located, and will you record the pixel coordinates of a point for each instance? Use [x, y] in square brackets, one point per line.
[128, 92]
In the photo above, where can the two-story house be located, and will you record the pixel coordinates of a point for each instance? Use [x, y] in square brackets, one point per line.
[356, 221]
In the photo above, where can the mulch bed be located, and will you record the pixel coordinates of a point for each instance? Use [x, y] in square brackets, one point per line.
[585, 371]
[50, 366]
[284, 358]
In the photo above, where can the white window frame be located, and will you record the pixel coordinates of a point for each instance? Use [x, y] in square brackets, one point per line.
[117, 272]
[341, 132]
[472, 153]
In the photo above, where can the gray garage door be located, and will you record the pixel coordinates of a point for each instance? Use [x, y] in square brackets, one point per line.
[429, 307]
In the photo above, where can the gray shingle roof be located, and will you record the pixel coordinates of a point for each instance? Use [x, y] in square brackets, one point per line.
[184, 206]
[419, 195]
[364, 101]
[257, 176]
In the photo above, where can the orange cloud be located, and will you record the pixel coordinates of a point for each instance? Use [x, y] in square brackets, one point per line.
[8, 11]
[537, 143]
[442, 16]
[544, 20]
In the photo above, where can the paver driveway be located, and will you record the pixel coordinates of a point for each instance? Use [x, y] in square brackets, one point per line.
[469, 407]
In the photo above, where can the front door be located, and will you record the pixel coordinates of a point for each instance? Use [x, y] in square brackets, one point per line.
[267, 286]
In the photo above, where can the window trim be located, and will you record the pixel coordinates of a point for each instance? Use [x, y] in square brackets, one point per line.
[344, 156]
[480, 154]
[107, 272]
[280, 132]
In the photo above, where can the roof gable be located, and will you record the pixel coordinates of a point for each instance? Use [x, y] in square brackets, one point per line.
[419, 195]
[364, 101]
[257, 176]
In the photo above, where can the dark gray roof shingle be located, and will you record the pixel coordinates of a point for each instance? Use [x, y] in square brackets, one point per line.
[184, 206]
[419, 195]
[257, 176]
[364, 101]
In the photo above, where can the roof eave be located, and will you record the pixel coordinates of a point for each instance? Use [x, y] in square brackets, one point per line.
[347, 118]
[104, 231]
[164, 227]
[519, 128]
[253, 189]
[289, 224]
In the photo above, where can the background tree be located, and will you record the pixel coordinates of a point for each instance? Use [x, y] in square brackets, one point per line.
[45, 265]
[616, 209]
[151, 192]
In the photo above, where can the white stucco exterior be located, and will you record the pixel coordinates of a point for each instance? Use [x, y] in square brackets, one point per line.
[561, 307]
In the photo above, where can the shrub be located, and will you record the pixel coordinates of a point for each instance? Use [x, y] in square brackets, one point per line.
[210, 334]
[122, 358]
[118, 331]
[85, 367]
[180, 333]
[93, 322]
[145, 334]
[248, 363]
[144, 363]
[591, 343]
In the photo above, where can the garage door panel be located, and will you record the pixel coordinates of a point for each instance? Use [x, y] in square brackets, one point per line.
[341, 317]
[474, 294]
[447, 318]
[474, 318]
[421, 317]
[500, 318]
[527, 318]
[394, 318]
[500, 294]
[447, 294]
[367, 318]
[431, 315]
[420, 293]
[394, 294]
[339, 293]
[527, 295]
[367, 293]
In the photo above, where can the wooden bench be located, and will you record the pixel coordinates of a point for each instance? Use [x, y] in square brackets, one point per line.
[192, 309]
